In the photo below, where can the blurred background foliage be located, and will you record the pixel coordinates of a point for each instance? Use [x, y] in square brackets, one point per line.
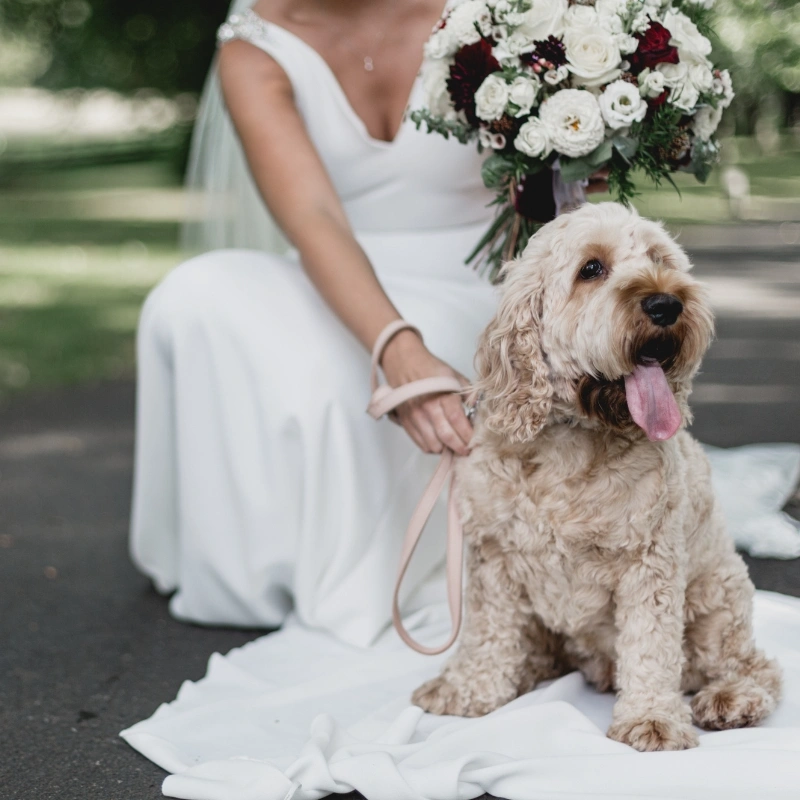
[97, 99]
[123, 46]
[166, 46]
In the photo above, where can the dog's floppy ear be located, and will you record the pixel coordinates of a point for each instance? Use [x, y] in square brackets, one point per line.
[512, 374]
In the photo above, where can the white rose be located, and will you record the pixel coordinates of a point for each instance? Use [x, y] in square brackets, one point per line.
[544, 18]
[573, 122]
[701, 76]
[466, 19]
[434, 85]
[491, 98]
[622, 105]
[578, 16]
[683, 93]
[611, 8]
[533, 140]
[440, 45]
[691, 44]
[723, 86]
[706, 121]
[522, 94]
[554, 76]
[593, 56]
[651, 83]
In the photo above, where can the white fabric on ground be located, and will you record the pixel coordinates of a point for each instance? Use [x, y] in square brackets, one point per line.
[299, 714]
[752, 484]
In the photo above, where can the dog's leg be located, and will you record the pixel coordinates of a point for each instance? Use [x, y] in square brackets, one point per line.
[650, 713]
[744, 686]
[504, 650]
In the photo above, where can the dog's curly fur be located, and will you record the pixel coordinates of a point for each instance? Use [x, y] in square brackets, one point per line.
[590, 546]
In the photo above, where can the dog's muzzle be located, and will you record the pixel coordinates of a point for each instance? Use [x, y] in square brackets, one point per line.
[663, 309]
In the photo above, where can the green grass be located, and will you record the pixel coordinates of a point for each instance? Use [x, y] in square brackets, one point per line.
[81, 246]
[68, 313]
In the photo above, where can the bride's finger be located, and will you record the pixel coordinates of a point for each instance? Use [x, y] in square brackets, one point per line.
[454, 411]
[426, 430]
[447, 434]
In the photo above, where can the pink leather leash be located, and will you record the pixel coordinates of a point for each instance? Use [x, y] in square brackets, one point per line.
[385, 399]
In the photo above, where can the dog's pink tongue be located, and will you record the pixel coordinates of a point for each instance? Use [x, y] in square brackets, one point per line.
[651, 402]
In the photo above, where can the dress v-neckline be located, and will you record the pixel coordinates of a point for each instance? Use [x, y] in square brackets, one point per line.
[344, 100]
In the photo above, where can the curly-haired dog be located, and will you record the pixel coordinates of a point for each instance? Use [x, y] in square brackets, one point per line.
[594, 541]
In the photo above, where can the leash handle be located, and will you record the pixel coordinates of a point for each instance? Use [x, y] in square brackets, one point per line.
[385, 399]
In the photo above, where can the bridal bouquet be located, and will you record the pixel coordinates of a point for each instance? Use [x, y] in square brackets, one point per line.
[574, 86]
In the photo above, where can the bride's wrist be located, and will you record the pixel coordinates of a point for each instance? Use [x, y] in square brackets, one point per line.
[403, 348]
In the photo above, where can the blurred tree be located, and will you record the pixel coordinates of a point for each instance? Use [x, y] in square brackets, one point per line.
[119, 45]
[759, 40]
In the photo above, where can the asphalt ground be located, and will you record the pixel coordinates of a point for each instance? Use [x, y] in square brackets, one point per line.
[87, 648]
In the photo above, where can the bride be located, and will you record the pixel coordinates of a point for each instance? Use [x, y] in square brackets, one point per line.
[264, 494]
[261, 485]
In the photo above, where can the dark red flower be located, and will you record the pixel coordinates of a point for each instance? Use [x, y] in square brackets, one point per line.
[549, 52]
[659, 100]
[654, 48]
[473, 64]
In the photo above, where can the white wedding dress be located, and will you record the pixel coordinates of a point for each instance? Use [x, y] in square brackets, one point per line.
[264, 495]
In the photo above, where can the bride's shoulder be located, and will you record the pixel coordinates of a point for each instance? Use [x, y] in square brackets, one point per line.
[247, 54]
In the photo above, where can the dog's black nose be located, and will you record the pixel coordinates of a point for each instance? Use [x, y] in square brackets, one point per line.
[663, 309]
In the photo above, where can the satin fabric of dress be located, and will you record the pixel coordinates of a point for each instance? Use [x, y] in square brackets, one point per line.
[261, 485]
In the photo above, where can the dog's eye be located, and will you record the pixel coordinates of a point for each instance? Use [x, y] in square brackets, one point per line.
[591, 269]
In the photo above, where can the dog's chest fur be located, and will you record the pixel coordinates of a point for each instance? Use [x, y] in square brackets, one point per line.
[564, 516]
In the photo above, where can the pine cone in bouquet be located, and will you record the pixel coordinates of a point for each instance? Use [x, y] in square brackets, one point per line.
[625, 85]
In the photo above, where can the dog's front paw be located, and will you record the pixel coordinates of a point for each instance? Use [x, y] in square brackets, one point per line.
[733, 704]
[656, 733]
[462, 698]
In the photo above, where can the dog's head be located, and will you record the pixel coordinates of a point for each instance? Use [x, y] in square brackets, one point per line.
[599, 324]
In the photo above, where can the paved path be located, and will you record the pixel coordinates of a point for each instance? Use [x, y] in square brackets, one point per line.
[87, 647]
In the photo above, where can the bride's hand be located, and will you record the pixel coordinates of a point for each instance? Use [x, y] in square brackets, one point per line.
[434, 421]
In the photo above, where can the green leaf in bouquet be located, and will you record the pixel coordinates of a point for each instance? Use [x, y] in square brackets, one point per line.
[601, 155]
[626, 146]
[576, 169]
[496, 170]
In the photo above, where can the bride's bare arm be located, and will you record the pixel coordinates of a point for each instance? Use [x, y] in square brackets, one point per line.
[299, 194]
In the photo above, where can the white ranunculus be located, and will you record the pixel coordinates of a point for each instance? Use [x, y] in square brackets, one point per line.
[465, 19]
[691, 44]
[533, 139]
[554, 76]
[440, 45]
[522, 93]
[434, 85]
[651, 83]
[544, 18]
[491, 98]
[706, 121]
[593, 56]
[723, 86]
[573, 122]
[622, 105]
